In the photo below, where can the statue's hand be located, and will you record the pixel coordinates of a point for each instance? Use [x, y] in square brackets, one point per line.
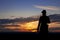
[37, 29]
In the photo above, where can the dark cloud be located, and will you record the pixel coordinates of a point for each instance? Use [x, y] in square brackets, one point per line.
[53, 18]
[12, 16]
[20, 20]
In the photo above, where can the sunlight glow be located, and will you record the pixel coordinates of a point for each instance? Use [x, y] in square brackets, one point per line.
[26, 27]
[30, 26]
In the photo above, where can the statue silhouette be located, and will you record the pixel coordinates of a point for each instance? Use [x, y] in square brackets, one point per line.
[43, 23]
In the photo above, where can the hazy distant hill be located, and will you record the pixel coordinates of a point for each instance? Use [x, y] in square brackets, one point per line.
[55, 17]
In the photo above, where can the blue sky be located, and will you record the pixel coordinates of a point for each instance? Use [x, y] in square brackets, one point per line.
[25, 8]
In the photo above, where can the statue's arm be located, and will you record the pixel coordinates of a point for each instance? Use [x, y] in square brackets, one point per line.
[48, 20]
[38, 24]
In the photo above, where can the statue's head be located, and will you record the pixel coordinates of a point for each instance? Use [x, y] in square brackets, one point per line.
[44, 12]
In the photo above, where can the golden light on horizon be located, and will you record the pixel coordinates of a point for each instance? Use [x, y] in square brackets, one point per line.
[26, 27]
[31, 26]
[54, 24]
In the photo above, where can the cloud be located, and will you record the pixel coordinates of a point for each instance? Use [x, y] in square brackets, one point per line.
[12, 16]
[53, 18]
[20, 20]
[47, 7]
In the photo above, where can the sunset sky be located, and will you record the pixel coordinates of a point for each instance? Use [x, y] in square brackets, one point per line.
[26, 8]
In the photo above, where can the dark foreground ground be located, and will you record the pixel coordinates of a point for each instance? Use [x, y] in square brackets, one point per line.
[28, 35]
